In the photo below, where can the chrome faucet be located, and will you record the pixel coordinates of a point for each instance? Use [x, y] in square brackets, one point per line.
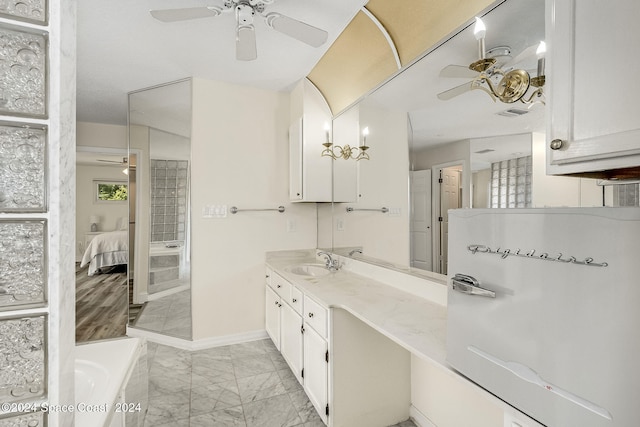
[330, 263]
[355, 251]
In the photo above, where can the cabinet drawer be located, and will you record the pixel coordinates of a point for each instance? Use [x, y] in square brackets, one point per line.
[316, 316]
[296, 300]
[267, 276]
[281, 286]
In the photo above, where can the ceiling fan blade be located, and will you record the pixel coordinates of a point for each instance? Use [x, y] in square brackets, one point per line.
[299, 30]
[453, 92]
[458, 71]
[246, 43]
[173, 15]
[524, 55]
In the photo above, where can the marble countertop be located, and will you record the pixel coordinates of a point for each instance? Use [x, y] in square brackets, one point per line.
[415, 323]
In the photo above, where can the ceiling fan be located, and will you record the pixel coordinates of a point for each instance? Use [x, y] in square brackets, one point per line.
[245, 10]
[496, 74]
[117, 162]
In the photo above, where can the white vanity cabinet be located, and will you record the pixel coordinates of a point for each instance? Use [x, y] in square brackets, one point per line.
[272, 311]
[592, 117]
[316, 356]
[298, 327]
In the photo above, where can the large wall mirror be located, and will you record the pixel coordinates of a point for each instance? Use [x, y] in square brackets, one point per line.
[102, 288]
[159, 216]
[429, 155]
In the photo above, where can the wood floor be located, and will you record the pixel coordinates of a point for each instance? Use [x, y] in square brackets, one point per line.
[102, 303]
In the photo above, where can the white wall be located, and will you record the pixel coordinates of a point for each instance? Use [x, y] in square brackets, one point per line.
[108, 212]
[454, 153]
[383, 182]
[239, 157]
[101, 135]
[549, 190]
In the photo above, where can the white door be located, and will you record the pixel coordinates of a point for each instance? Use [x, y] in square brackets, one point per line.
[272, 316]
[315, 370]
[421, 233]
[291, 339]
[449, 199]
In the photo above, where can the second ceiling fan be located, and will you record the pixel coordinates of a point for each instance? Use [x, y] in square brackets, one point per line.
[245, 11]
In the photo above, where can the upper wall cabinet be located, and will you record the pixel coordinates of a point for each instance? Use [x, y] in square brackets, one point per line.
[592, 125]
[310, 175]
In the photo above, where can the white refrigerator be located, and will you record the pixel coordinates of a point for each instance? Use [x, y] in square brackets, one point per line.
[544, 310]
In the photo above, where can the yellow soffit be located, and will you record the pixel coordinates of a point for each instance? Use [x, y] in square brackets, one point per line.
[415, 26]
[364, 55]
[358, 61]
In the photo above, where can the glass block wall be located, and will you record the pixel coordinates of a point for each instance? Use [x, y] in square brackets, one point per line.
[169, 184]
[511, 183]
[626, 195]
[26, 186]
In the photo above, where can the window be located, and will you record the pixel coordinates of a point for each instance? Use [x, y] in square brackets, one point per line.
[511, 183]
[110, 191]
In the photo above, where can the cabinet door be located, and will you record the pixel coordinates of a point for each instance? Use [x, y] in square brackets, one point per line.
[592, 112]
[316, 370]
[272, 316]
[295, 160]
[291, 339]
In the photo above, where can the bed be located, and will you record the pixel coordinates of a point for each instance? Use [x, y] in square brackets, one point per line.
[106, 250]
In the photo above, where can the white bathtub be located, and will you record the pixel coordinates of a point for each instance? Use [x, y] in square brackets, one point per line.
[102, 370]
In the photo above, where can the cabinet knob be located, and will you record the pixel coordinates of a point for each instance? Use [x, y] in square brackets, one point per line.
[556, 144]
[276, 302]
[297, 194]
[294, 300]
[267, 276]
[310, 314]
[279, 305]
[278, 286]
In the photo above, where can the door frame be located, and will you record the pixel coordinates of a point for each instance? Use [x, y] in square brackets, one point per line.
[465, 180]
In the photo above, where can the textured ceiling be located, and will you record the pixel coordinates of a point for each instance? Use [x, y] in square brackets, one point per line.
[121, 48]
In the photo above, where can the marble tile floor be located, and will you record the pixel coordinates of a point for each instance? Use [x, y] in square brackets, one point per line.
[169, 315]
[241, 385]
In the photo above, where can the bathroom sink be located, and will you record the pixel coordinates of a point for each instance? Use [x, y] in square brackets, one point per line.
[310, 270]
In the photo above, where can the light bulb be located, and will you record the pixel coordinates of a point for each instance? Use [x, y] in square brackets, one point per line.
[542, 49]
[365, 133]
[326, 131]
[479, 30]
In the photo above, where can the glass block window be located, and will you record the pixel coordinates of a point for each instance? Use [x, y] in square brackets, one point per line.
[22, 359]
[626, 195]
[25, 10]
[511, 183]
[23, 73]
[22, 263]
[169, 183]
[22, 169]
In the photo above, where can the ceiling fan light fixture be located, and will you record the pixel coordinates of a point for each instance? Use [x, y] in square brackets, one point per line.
[245, 11]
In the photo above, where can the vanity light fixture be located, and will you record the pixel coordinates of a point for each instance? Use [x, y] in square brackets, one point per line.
[512, 85]
[346, 151]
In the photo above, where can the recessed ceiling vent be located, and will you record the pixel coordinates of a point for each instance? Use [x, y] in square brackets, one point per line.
[486, 150]
[513, 112]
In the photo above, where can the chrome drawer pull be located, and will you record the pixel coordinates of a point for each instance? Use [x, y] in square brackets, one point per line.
[470, 286]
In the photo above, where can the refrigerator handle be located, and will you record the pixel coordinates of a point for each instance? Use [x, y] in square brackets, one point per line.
[469, 285]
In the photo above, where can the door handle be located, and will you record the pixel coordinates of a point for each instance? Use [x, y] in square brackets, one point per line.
[469, 285]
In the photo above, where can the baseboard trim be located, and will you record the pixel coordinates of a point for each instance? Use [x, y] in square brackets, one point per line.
[157, 295]
[197, 344]
[419, 418]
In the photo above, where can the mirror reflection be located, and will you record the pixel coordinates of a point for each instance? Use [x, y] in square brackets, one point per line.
[160, 149]
[102, 288]
[431, 152]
